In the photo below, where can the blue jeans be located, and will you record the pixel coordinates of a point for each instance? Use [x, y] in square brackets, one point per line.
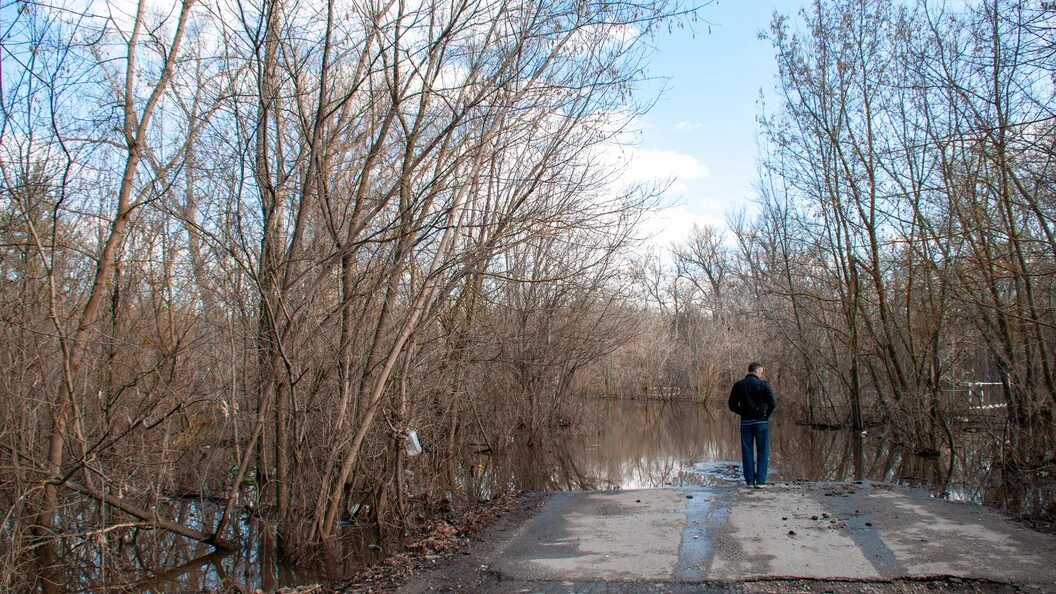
[755, 439]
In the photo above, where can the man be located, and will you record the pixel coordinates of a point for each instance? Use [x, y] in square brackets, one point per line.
[753, 400]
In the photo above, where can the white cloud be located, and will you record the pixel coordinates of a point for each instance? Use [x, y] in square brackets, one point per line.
[651, 165]
[646, 166]
[673, 223]
[687, 126]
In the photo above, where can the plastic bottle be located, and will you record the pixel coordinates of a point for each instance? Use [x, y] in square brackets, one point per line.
[412, 445]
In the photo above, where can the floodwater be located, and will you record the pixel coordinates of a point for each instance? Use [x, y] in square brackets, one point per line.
[649, 444]
[633, 445]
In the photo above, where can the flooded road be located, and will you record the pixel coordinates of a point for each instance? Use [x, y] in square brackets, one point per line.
[648, 444]
[634, 445]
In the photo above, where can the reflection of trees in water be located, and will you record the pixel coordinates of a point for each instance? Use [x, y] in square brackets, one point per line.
[139, 558]
[972, 472]
[654, 444]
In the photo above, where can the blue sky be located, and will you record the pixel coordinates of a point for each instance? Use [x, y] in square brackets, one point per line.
[703, 128]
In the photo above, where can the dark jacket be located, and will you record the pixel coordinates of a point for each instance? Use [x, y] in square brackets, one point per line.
[752, 398]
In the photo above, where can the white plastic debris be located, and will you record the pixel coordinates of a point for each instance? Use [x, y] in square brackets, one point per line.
[412, 445]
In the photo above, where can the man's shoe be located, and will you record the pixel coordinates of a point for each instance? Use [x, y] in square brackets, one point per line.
[758, 486]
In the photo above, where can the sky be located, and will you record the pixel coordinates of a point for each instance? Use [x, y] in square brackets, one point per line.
[702, 130]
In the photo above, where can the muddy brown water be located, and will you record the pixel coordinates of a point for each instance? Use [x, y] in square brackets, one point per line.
[621, 445]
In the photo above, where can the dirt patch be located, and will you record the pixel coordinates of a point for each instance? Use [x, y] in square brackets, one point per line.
[447, 549]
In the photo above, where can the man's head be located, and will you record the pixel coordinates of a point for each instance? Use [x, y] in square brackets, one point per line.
[755, 368]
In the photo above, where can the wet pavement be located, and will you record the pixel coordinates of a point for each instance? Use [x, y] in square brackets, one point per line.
[882, 537]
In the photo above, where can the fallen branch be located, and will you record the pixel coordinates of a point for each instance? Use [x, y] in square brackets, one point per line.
[130, 509]
[148, 516]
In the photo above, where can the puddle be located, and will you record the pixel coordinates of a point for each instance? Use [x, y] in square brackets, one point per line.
[719, 471]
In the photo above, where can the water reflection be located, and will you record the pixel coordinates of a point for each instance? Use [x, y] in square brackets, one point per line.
[648, 444]
[160, 561]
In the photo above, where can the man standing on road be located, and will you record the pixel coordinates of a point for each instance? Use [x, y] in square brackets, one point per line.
[753, 399]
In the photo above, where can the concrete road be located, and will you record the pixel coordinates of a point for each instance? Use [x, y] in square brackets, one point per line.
[732, 535]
